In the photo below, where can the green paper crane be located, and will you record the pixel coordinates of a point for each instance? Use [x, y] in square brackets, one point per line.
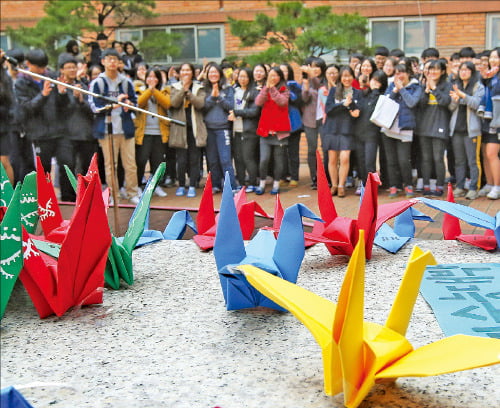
[11, 257]
[119, 264]
[28, 198]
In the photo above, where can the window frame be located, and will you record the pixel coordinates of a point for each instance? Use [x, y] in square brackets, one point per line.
[489, 28]
[169, 29]
[402, 21]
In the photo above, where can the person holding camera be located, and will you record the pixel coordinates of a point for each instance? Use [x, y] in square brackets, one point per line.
[43, 110]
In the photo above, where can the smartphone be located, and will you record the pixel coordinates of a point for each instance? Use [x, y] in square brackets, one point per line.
[304, 75]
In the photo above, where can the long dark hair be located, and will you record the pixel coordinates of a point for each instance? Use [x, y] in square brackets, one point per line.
[291, 76]
[473, 78]
[404, 66]
[222, 78]
[339, 89]
[441, 65]
[372, 64]
[265, 70]
[381, 77]
[157, 72]
[125, 48]
[321, 64]
[249, 72]
[282, 81]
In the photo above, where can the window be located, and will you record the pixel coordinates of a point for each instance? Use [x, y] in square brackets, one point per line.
[412, 35]
[4, 42]
[197, 42]
[492, 31]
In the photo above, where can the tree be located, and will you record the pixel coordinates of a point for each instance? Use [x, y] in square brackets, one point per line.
[298, 32]
[79, 20]
[156, 46]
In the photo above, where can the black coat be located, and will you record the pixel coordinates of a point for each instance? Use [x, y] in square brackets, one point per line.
[41, 117]
[365, 130]
[251, 112]
[339, 120]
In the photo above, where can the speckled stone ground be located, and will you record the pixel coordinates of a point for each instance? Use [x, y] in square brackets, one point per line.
[168, 341]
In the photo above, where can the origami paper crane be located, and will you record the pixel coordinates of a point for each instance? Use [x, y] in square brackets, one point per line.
[76, 277]
[28, 200]
[356, 353]
[174, 230]
[11, 259]
[309, 238]
[392, 240]
[12, 398]
[451, 225]
[119, 264]
[120, 254]
[281, 257]
[206, 220]
[345, 230]
[53, 225]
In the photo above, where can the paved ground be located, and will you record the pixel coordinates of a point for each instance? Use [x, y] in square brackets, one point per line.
[347, 207]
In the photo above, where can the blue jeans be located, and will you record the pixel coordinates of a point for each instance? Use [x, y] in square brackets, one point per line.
[219, 156]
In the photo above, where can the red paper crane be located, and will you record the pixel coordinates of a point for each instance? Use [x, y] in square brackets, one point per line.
[343, 232]
[76, 277]
[452, 230]
[206, 220]
[310, 239]
[53, 225]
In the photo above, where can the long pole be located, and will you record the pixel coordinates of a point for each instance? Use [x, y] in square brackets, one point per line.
[106, 98]
[114, 184]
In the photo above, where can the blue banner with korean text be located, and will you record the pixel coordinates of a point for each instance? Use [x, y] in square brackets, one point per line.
[465, 298]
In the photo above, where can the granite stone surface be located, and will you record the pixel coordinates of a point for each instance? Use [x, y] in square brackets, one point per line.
[168, 341]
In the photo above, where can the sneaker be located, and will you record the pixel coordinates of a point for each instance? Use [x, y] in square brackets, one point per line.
[293, 183]
[314, 186]
[358, 191]
[250, 189]
[493, 194]
[427, 191]
[168, 182]
[275, 191]
[180, 191]
[409, 192]
[134, 200]
[283, 183]
[349, 182]
[259, 190]
[216, 190]
[159, 192]
[191, 192]
[467, 184]
[123, 193]
[471, 195]
[484, 191]
[437, 193]
[458, 192]
[432, 183]
[393, 192]
[420, 185]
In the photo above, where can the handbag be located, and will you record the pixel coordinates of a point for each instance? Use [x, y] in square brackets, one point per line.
[396, 133]
[385, 112]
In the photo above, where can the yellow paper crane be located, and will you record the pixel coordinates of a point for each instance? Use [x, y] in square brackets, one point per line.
[356, 353]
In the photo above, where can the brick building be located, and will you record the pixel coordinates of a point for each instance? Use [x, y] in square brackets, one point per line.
[410, 25]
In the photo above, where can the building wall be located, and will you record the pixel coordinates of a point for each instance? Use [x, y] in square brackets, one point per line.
[458, 23]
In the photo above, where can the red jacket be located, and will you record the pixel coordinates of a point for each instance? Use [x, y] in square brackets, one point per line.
[274, 117]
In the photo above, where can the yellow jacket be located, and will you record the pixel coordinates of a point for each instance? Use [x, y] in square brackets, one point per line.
[163, 99]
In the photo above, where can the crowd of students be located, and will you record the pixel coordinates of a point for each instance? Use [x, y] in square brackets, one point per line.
[248, 121]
